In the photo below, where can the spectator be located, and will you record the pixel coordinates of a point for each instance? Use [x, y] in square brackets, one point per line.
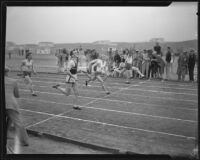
[117, 61]
[182, 66]
[9, 53]
[65, 56]
[59, 59]
[145, 63]
[134, 63]
[153, 68]
[172, 61]
[117, 58]
[191, 64]
[168, 64]
[110, 59]
[139, 60]
[157, 49]
[160, 65]
[12, 109]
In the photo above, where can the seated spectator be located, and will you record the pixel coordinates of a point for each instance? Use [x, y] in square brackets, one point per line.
[117, 58]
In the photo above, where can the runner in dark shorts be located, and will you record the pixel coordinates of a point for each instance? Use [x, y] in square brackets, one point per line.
[27, 68]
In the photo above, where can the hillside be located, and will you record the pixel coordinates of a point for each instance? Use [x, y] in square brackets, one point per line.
[103, 47]
[140, 45]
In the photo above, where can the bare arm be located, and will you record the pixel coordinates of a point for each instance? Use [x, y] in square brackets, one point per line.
[33, 68]
[16, 90]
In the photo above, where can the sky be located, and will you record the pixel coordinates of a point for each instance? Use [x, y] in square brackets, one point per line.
[177, 22]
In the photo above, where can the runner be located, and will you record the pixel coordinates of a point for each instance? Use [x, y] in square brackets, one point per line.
[96, 68]
[128, 66]
[27, 68]
[71, 78]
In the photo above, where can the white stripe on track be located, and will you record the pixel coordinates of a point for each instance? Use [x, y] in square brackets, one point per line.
[120, 83]
[52, 117]
[113, 125]
[168, 83]
[53, 93]
[169, 98]
[144, 82]
[110, 110]
[50, 82]
[137, 95]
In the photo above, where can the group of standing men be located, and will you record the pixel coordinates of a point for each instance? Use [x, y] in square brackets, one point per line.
[152, 64]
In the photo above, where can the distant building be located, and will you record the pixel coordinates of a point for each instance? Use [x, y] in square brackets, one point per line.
[105, 42]
[46, 44]
[31, 47]
[160, 40]
[45, 47]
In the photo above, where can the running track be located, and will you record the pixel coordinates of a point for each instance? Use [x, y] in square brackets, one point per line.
[147, 117]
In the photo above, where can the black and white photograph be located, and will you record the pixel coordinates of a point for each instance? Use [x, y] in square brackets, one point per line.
[102, 80]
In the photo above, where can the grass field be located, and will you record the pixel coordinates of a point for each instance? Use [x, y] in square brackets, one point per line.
[147, 117]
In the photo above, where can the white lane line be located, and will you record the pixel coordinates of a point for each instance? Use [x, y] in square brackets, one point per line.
[114, 125]
[170, 84]
[110, 110]
[53, 93]
[108, 95]
[53, 117]
[120, 84]
[137, 95]
[135, 89]
[177, 84]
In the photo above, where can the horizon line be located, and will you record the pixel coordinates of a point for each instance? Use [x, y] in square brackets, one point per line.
[95, 41]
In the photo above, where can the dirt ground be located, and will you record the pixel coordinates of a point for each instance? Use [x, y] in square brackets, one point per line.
[41, 145]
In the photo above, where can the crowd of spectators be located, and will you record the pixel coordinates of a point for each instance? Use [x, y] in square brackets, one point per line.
[147, 63]
[153, 63]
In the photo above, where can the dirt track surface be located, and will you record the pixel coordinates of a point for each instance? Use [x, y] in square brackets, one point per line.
[43, 145]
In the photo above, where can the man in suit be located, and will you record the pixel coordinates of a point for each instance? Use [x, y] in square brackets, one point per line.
[191, 64]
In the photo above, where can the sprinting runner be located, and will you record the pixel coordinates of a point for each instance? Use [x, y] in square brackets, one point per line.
[27, 68]
[95, 68]
[128, 67]
[71, 78]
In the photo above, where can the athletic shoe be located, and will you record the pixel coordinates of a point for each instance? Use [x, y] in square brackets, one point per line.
[142, 77]
[127, 82]
[56, 86]
[107, 93]
[77, 107]
[33, 94]
[25, 144]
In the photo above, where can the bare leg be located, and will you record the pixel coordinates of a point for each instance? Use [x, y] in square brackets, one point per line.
[127, 76]
[138, 71]
[76, 93]
[66, 91]
[102, 84]
[29, 84]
